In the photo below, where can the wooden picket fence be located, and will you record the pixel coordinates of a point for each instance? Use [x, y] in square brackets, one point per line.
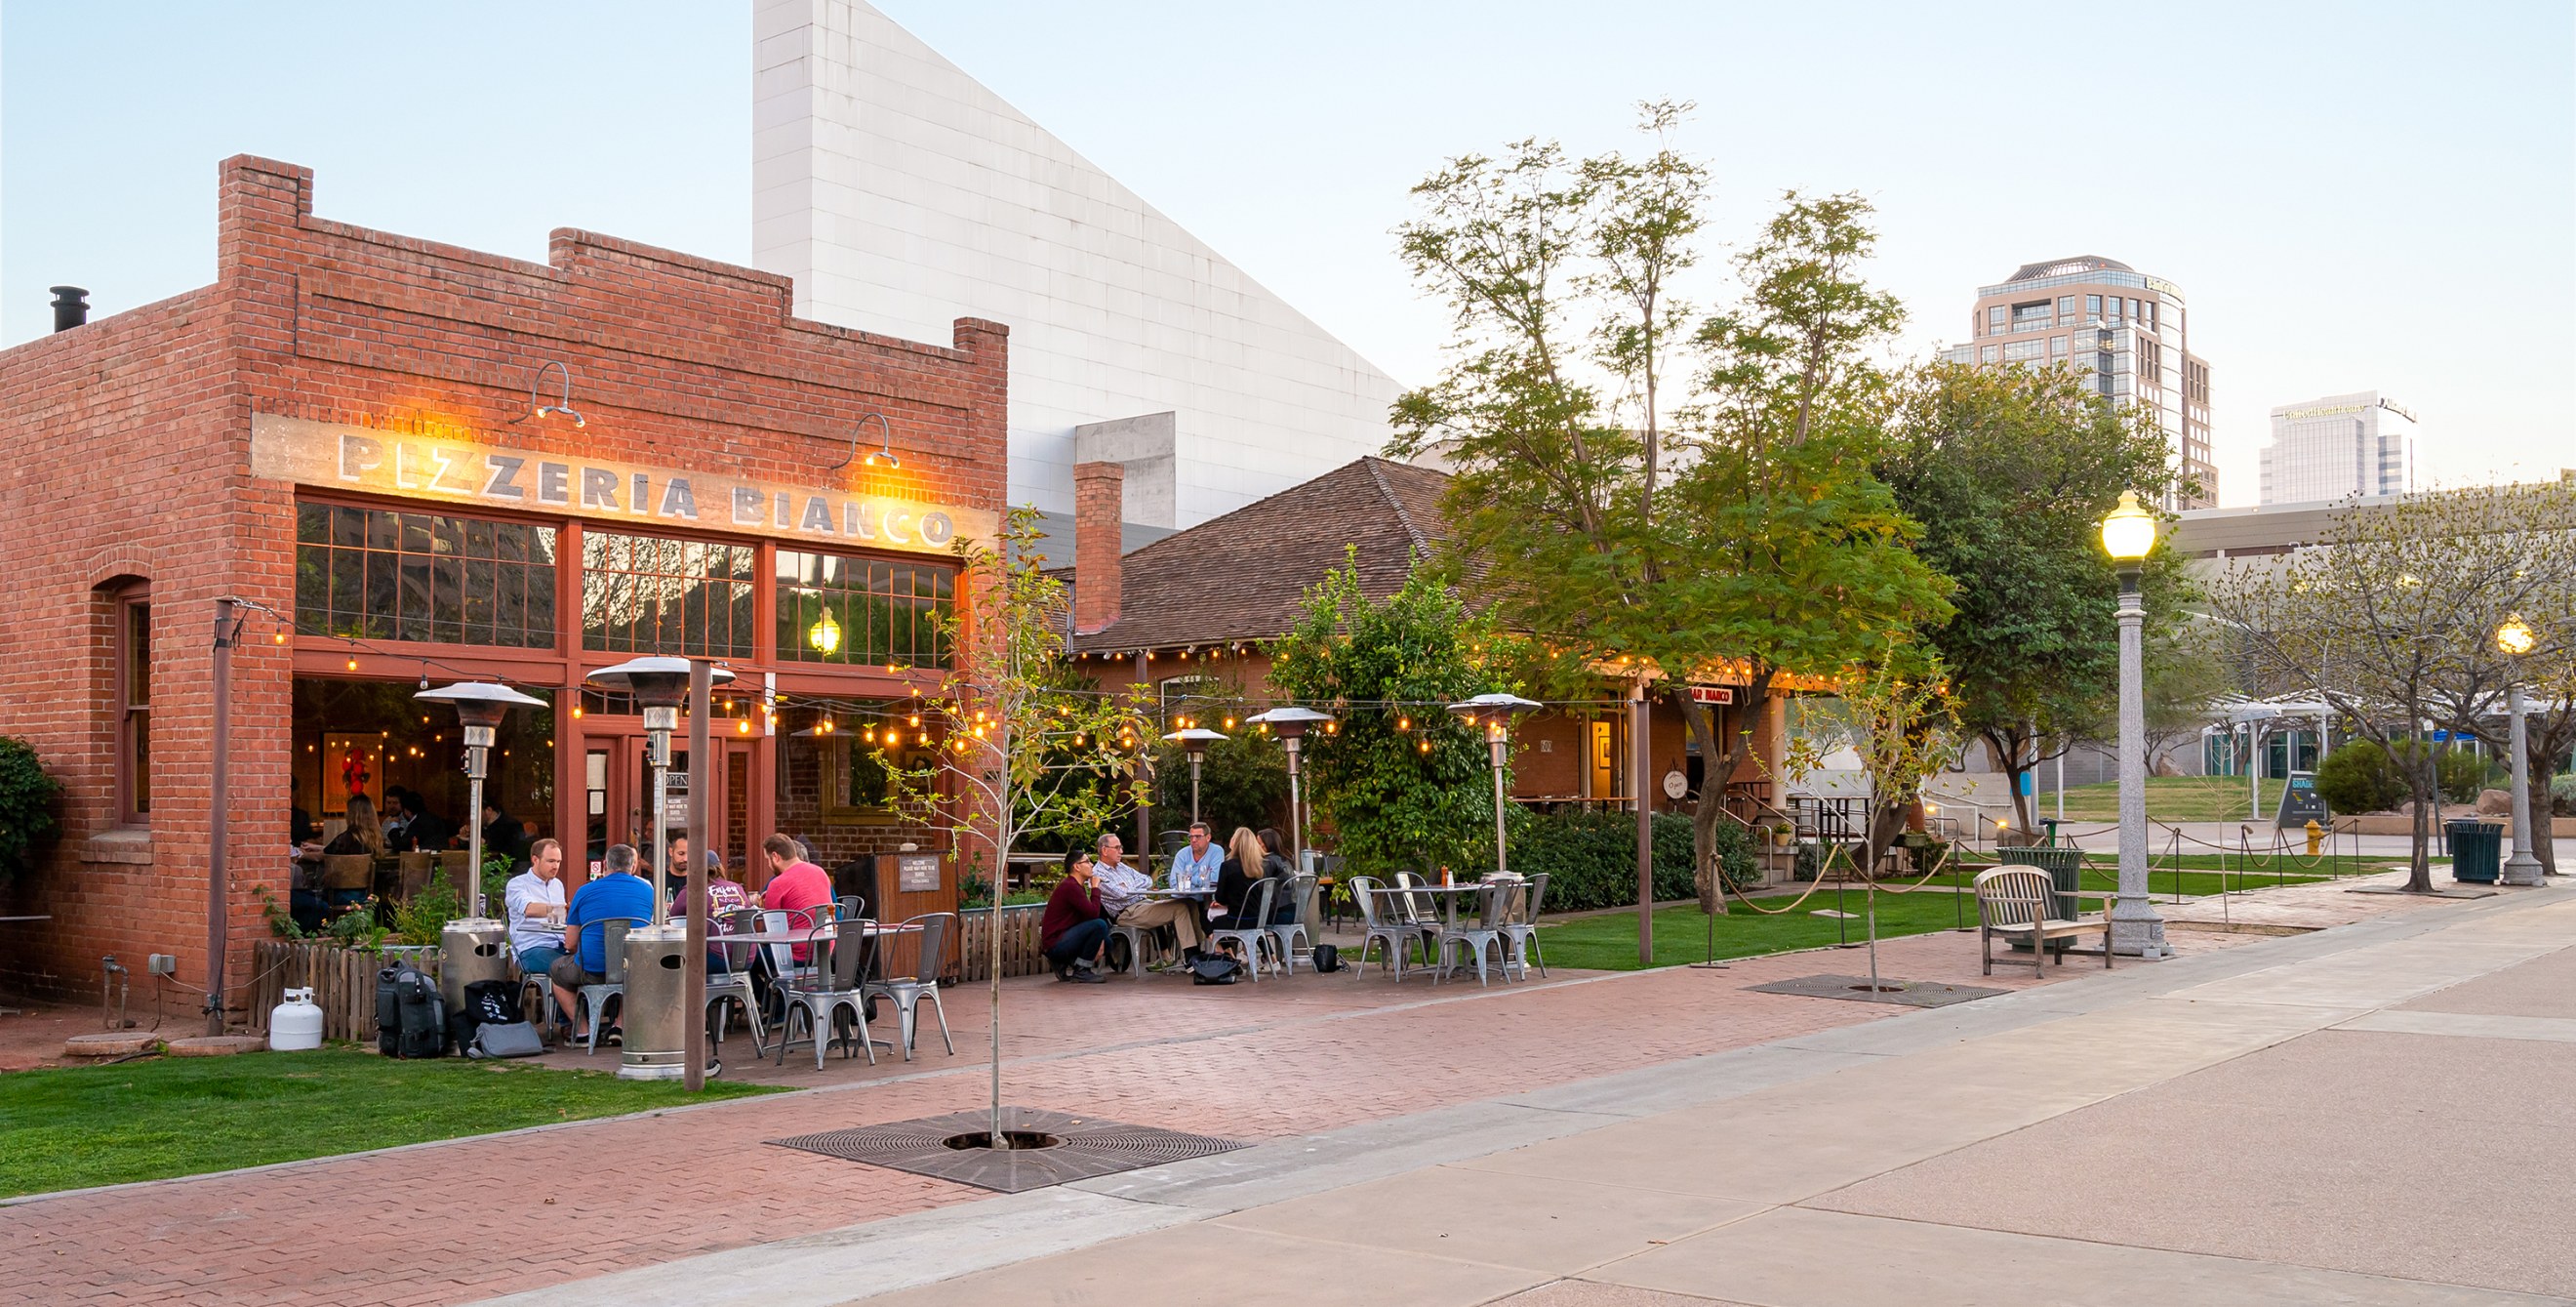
[343, 981]
[1020, 953]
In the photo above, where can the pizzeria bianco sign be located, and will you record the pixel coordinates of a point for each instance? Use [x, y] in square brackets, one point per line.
[452, 469]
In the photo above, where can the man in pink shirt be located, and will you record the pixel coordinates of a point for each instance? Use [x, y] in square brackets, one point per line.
[795, 884]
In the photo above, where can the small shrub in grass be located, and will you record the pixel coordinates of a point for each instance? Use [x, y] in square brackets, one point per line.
[1590, 858]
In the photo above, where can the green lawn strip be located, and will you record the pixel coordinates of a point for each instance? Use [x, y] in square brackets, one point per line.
[2169, 798]
[1609, 942]
[74, 1127]
[2103, 877]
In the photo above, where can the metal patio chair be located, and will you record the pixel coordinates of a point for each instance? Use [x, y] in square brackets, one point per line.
[929, 947]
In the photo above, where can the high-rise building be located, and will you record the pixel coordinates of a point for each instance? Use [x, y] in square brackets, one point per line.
[2125, 329]
[2338, 447]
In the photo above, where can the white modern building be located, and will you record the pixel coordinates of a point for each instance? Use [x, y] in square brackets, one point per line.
[901, 194]
[2339, 447]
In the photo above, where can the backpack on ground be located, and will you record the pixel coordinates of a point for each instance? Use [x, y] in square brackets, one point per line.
[1325, 958]
[421, 1015]
[388, 1012]
[1213, 969]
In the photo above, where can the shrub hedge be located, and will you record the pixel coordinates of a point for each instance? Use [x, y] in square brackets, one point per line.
[1591, 857]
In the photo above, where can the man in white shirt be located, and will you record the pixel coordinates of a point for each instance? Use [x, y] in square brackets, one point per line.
[535, 903]
[1123, 888]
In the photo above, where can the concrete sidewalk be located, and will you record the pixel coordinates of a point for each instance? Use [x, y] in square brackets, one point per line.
[2371, 1114]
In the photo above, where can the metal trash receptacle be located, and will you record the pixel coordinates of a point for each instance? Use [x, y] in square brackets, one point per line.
[2065, 868]
[653, 1016]
[2477, 851]
[471, 949]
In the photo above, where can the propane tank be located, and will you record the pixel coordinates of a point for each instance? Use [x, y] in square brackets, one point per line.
[295, 1023]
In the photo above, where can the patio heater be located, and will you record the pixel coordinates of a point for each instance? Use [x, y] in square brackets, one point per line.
[480, 706]
[1290, 724]
[659, 684]
[1495, 714]
[1196, 739]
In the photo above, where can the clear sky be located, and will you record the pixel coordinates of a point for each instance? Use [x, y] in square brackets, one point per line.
[2350, 195]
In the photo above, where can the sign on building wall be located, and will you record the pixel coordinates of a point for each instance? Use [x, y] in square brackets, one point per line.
[455, 469]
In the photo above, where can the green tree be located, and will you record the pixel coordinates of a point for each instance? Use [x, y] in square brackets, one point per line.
[1649, 491]
[2010, 471]
[1020, 745]
[1244, 780]
[27, 794]
[1401, 783]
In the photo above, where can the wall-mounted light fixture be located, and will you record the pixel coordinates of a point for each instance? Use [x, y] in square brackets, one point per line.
[882, 456]
[537, 407]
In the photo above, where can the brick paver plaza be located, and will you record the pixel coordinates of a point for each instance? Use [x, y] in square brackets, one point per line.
[470, 1219]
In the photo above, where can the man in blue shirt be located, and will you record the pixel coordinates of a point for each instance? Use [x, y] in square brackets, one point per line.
[618, 893]
[1194, 868]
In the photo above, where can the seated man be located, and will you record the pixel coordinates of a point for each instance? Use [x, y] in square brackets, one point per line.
[534, 907]
[796, 886]
[1123, 887]
[619, 892]
[1075, 925]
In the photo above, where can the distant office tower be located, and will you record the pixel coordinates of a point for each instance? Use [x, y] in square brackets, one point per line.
[2339, 446]
[2125, 329]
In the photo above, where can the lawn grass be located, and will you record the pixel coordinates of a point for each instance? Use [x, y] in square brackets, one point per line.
[1608, 942]
[73, 1127]
[2169, 798]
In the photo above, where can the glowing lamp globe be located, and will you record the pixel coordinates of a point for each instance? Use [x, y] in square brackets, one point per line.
[2515, 637]
[2130, 531]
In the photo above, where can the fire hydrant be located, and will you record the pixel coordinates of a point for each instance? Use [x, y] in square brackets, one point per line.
[2316, 836]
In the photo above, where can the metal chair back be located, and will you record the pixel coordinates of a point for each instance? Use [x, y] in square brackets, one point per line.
[851, 907]
[1420, 909]
[1301, 894]
[851, 947]
[416, 867]
[780, 921]
[1535, 900]
[2013, 896]
[612, 945]
[1364, 893]
[740, 921]
[930, 947]
[453, 862]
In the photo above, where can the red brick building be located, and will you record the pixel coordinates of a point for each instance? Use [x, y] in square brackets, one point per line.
[345, 430]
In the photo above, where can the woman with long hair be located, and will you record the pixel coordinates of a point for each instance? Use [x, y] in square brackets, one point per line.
[366, 833]
[1235, 879]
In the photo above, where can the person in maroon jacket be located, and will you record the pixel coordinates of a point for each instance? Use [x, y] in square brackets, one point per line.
[1075, 925]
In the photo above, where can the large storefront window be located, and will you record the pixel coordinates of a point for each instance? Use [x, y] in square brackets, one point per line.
[645, 594]
[372, 574]
[861, 612]
[371, 737]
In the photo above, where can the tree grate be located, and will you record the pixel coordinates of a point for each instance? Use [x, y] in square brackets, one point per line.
[1905, 993]
[1091, 1147]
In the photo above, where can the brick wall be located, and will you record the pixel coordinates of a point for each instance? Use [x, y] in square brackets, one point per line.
[129, 457]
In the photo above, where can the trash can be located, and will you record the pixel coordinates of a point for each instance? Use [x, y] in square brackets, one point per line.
[2476, 851]
[654, 1017]
[471, 949]
[2065, 868]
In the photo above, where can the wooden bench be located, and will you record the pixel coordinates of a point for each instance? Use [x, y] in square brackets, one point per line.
[2014, 902]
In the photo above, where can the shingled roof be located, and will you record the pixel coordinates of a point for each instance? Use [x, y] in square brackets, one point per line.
[1242, 576]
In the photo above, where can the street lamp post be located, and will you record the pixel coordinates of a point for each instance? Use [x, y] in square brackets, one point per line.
[2515, 638]
[1196, 739]
[1494, 713]
[659, 684]
[2128, 535]
[480, 706]
[1290, 724]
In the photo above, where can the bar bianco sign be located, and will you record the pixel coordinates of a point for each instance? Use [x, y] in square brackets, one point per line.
[452, 469]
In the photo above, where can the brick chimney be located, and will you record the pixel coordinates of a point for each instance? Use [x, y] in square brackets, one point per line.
[1099, 500]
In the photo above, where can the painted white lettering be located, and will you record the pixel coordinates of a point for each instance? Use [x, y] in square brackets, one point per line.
[818, 515]
[642, 500]
[746, 506]
[894, 530]
[404, 463]
[782, 510]
[857, 515]
[936, 529]
[359, 455]
[678, 500]
[598, 489]
[504, 482]
[448, 473]
[552, 483]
